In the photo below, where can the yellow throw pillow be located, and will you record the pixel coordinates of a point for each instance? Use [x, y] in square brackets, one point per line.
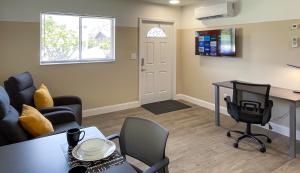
[34, 122]
[42, 98]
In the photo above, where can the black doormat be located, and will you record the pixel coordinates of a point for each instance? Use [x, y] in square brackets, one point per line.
[165, 106]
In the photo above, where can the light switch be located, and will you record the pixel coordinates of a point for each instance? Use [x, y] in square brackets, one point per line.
[133, 56]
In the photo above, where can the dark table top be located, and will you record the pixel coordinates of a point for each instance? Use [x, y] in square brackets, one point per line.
[277, 92]
[45, 155]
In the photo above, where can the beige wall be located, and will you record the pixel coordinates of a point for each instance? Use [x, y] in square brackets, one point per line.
[126, 12]
[178, 63]
[264, 49]
[98, 84]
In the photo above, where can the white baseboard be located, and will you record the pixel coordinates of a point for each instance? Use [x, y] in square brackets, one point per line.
[111, 108]
[201, 103]
[276, 127]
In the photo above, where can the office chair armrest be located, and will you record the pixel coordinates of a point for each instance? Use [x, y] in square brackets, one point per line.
[232, 108]
[227, 99]
[267, 113]
[113, 137]
[158, 166]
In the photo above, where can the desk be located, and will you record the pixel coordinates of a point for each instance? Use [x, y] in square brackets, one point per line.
[46, 155]
[275, 92]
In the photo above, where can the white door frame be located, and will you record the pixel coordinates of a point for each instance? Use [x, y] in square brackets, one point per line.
[173, 57]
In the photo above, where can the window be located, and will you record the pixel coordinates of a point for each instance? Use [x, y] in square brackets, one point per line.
[76, 39]
[156, 32]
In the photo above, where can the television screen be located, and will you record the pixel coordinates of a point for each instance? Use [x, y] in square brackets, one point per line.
[216, 42]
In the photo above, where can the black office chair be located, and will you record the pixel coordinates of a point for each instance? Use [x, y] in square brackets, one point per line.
[146, 141]
[250, 105]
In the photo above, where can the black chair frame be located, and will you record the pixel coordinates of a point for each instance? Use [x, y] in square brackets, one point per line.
[234, 110]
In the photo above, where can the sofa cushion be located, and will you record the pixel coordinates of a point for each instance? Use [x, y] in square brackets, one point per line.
[10, 128]
[26, 96]
[34, 122]
[21, 81]
[4, 103]
[20, 89]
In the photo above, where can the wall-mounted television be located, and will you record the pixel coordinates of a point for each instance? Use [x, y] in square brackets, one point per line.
[216, 42]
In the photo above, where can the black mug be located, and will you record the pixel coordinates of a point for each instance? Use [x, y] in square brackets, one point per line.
[78, 169]
[73, 136]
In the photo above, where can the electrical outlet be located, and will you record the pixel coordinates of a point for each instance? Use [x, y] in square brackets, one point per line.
[295, 42]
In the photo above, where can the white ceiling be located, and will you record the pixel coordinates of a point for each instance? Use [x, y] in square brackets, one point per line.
[182, 2]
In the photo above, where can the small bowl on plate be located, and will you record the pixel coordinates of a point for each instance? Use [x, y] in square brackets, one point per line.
[93, 149]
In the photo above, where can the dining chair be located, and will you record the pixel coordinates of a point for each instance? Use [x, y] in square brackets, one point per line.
[145, 141]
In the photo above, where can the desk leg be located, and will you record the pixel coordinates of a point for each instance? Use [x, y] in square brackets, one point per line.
[217, 105]
[292, 139]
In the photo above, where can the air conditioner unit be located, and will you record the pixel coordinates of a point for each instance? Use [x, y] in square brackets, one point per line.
[225, 9]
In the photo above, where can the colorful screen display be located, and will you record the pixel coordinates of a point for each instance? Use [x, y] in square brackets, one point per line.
[216, 42]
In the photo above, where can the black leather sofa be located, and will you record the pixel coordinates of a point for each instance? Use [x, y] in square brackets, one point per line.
[20, 89]
[12, 132]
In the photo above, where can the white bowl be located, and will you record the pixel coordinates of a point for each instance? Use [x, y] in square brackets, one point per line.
[93, 149]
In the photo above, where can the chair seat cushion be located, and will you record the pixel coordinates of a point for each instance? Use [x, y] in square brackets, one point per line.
[253, 118]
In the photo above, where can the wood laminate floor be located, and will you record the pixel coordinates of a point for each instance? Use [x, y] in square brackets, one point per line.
[196, 145]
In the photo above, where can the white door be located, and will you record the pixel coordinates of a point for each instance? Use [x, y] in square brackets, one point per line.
[156, 57]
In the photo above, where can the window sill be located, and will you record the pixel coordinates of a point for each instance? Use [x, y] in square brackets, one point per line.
[77, 62]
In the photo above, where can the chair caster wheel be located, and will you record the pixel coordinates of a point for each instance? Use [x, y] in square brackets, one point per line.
[228, 134]
[235, 145]
[263, 150]
[269, 140]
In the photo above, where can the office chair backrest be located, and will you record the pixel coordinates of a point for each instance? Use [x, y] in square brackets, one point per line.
[144, 140]
[245, 92]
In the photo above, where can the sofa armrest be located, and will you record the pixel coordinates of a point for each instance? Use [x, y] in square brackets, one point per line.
[60, 117]
[66, 100]
[54, 109]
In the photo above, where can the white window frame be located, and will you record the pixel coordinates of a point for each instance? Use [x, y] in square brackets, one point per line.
[80, 61]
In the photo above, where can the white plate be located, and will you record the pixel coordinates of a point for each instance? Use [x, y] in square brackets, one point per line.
[93, 149]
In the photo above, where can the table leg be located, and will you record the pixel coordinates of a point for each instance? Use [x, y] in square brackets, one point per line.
[217, 105]
[292, 139]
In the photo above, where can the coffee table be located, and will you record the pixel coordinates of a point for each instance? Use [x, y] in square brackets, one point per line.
[46, 155]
